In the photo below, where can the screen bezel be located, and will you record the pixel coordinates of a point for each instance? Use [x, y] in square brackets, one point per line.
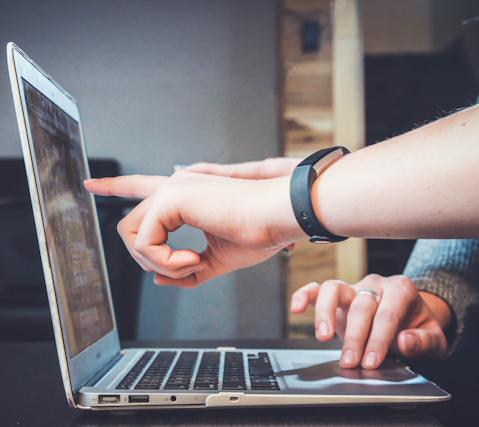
[76, 371]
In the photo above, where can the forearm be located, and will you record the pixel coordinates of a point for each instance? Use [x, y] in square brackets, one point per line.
[418, 185]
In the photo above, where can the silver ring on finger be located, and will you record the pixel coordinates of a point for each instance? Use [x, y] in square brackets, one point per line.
[371, 293]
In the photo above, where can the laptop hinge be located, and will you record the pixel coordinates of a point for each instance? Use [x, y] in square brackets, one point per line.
[100, 374]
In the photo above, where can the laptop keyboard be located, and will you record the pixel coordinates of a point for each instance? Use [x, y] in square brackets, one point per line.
[259, 374]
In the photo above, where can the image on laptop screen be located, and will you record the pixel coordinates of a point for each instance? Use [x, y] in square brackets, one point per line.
[73, 247]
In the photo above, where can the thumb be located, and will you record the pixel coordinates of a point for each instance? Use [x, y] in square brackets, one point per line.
[422, 342]
[409, 343]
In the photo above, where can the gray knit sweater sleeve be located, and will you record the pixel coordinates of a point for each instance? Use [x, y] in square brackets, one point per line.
[450, 270]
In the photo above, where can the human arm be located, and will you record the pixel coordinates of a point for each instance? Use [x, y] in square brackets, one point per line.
[410, 323]
[420, 184]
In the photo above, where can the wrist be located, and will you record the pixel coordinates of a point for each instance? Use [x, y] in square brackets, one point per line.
[305, 175]
[284, 229]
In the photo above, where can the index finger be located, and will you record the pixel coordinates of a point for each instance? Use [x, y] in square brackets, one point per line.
[135, 186]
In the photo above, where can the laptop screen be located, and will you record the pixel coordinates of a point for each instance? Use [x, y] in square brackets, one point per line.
[74, 249]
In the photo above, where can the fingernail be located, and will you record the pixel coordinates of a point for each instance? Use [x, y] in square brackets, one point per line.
[411, 343]
[371, 359]
[348, 357]
[323, 329]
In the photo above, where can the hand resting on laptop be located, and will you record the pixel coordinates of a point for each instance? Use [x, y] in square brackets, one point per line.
[389, 314]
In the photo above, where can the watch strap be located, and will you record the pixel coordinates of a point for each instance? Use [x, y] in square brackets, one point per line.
[302, 180]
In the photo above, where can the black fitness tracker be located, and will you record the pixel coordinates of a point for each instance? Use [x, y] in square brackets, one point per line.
[300, 192]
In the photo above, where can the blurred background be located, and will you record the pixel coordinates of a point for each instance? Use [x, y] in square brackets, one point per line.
[161, 83]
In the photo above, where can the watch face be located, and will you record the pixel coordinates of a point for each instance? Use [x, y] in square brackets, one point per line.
[324, 162]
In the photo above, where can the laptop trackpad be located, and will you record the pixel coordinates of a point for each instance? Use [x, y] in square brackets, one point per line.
[320, 370]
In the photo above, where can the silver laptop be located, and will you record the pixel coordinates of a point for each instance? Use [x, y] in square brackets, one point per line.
[97, 373]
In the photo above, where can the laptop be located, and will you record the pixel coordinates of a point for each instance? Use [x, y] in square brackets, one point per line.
[100, 375]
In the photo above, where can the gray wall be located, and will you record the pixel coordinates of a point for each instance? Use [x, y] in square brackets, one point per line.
[161, 83]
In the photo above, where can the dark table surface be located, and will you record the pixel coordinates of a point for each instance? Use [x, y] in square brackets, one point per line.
[32, 395]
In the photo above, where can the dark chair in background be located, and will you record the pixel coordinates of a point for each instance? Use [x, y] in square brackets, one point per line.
[24, 313]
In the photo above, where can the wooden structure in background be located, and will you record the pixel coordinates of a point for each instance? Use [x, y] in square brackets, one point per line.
[322, 105]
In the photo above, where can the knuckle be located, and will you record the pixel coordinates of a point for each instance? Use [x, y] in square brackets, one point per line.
[387, 315]
[306, 289]
[403, 288]
[168, 191]
[311, 285]
[139, 246]
[360, 307]
[404, 282]
[373, 278]
[330, 285]
[353, 343]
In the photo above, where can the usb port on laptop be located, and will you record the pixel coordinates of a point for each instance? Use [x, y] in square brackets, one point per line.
[138, 398]
[108, 399]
